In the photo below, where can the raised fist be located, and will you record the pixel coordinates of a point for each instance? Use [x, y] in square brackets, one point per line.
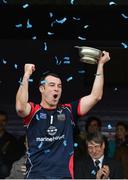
[29, 69]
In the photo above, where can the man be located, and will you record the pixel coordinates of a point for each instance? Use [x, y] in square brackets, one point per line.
[97, 165]
[9, 151]
[49, 125]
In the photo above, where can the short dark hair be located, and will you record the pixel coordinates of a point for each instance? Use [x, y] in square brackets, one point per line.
[97, 137]
[90, 119]
[42, 79]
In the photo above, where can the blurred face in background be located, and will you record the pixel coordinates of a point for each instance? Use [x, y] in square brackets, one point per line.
[121, 132]
[93, 127]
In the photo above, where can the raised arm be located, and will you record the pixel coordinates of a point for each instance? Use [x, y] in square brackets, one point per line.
[87, 102]
[23, 108]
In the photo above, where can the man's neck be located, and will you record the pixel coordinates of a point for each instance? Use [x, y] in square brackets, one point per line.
[47, 106]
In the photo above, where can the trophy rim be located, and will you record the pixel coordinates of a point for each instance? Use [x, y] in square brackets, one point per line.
[88, 47]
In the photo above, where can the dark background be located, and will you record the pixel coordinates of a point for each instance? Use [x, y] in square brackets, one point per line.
[107, 30]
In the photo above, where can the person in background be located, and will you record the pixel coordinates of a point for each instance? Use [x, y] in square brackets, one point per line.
[8, 147]
[96, 165]
[93, 124]
[18, 169]
[121, 136]
[49, 124]
[121, 151]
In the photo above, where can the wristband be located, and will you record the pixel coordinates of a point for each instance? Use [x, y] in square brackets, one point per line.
[98, 74]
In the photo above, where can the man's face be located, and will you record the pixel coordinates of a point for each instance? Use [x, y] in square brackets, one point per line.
[51, 91]
[95, 150]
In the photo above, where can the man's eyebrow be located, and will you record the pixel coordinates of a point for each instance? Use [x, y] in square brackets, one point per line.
[51, 82]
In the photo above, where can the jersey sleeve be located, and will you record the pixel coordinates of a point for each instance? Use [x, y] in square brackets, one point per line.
[34, 108]
[75, 109]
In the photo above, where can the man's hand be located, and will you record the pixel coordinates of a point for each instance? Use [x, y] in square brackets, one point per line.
[103, 173]
[23, 169]
[29, 69]
[104, 57]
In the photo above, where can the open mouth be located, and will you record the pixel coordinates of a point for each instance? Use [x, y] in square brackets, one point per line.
[55, 96]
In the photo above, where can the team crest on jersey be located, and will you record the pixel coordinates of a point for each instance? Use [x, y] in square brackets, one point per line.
[61, 117]
[43, 116]
[52, 130]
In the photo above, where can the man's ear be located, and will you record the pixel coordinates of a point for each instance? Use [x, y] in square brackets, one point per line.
[41, 88]
[103, 145]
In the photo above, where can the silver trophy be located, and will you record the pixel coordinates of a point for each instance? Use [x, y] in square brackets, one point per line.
[88, 54]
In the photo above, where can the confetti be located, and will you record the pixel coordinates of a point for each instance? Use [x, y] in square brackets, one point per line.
[51, 14]
[28, 24]
[112, 3]
[124, 16]
[4, 62]
[18, 25]
[43, 82]
[69, 79]
[124, 45]
[66, 60]
[34, 37]
[50, 33]
[45, 46]
[81, 38]
[81, 71]
[57, 61]
[45, 72]
[61, 21]
[115, 89]
[25, 6]
[30, 80]
[15, 66]
[86, 26]
[77, 19]
[58, 21]
[72, 2]
[4, 1]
